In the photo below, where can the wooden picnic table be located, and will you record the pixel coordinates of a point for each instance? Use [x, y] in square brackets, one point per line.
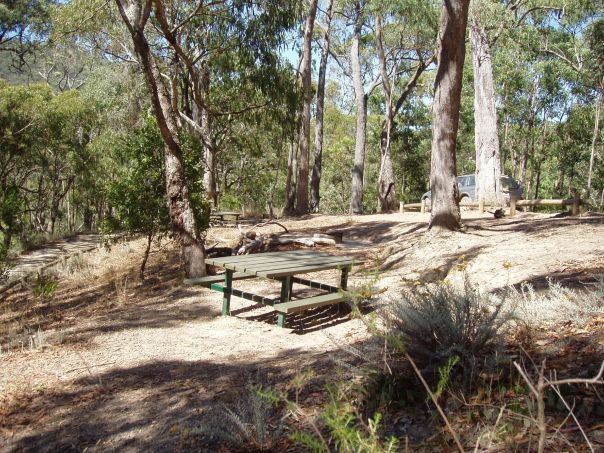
[221, 215]
[281, 266]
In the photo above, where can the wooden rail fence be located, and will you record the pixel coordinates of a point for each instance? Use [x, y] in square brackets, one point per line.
[575, 204]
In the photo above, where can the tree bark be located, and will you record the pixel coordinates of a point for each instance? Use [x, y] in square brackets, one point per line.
[386, 184]
[356, 201]
[291, 182]
[315, 181]
[445, 115]
[594, 140]
[209, 151]
[304, 154]
[528, 138]
[135, 15]
[486, 138]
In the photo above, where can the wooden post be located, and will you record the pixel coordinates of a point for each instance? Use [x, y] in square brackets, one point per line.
[481, 205]
[422, 208]
[512, 206]
[576, 203]
[402, 207]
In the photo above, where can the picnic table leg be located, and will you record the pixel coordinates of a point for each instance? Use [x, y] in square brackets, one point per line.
[344, 278]
[286, 292]
[343, 282]
[226, 298]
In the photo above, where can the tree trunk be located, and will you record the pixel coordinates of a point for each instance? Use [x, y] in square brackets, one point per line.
[356, 201]
[594, 140]
[528, 140]
[386, 185]
[445, 115]
[291, 183]
[315, 181]
[488, 160]
[304, 154]
[205, 123]
[182, 218]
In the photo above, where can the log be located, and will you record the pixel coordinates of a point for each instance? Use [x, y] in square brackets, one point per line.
[327, 238]
[252, 246]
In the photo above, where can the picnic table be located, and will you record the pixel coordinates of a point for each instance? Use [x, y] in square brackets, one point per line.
[283, 267]
[223, 216]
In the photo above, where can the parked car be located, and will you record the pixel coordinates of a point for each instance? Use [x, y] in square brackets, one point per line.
[467, 188]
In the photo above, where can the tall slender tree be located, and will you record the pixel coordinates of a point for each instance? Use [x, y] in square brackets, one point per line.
[315, 182]
[445, 115]
[135, 14]
[302, 206]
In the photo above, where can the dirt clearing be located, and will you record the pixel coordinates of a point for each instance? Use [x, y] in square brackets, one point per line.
[107, 363]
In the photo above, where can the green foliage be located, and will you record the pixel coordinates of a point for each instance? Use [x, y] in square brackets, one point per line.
[45, 286]
[138, 195]
[348, 432]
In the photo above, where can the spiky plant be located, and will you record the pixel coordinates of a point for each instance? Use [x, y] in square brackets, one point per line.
[439, 321]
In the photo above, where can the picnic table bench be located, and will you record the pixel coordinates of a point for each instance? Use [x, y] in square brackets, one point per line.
[225, 216]
[283, 267]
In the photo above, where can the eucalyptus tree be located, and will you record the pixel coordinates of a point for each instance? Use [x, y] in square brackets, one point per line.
[445, 115]
[574, 37]
[136, 15]
[23, 26]
[216, 42]
[489, 21]
[405, 35]
[302, 205]
[315, 183]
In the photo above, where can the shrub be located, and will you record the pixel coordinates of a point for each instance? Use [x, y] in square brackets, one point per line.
[247, 424]
[438, 322]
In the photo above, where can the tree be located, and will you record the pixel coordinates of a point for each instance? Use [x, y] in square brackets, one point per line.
[315, 183]
[302, 206]
[136, 16]
[447, 99]
[406, 51]
[488, 161]
[360, 97]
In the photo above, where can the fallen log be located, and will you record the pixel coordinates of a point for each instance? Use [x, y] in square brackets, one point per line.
[254, 245]
[308, 241]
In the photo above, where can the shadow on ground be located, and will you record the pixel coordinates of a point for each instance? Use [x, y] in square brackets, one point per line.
[157, 406]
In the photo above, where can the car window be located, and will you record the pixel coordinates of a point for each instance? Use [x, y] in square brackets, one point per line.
[461, 181]
[471, 181]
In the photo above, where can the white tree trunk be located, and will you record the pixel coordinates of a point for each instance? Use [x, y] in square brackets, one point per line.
[356, 201]
[488, 160]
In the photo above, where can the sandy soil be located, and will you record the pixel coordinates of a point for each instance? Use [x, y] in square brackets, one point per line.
[108, 363]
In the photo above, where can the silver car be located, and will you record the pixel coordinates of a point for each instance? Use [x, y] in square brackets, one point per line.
[467, 188]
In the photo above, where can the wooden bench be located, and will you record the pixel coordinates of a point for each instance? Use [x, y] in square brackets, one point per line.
[295, 306]
[209, 279]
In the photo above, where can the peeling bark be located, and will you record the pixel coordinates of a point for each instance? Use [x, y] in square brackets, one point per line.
[488, 160]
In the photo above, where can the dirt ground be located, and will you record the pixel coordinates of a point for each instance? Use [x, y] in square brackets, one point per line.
[107, 363]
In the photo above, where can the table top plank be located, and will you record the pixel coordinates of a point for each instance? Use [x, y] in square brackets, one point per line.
[299, 270]
[265, 256]
[281, 264]
[290, 265]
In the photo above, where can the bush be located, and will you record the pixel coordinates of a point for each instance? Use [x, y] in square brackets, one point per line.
[438, 322]
[248, 425]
